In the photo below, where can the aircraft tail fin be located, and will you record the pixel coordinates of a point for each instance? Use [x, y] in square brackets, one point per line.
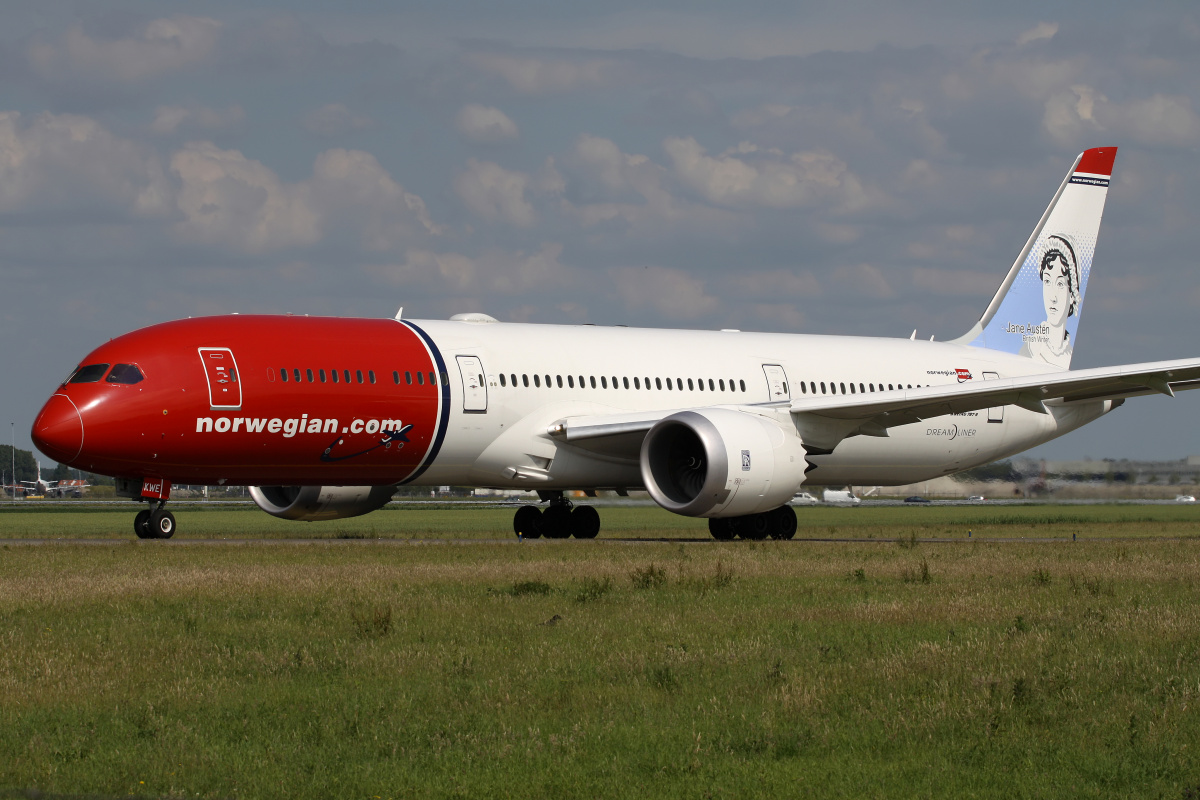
[1048, 280]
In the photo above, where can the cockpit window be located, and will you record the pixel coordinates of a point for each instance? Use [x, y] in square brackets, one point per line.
[125, 373]
[89, 374]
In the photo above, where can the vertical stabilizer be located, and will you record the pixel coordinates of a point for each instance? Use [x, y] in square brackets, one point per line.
[1036, 311]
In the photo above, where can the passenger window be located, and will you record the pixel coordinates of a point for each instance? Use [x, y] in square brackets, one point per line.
[842, 387]
[433, 380]
[691, 386]
[637, 384]
[420, 379]
[559, 379]
[803, 388]
[822, 387]
[346, 375]
[711, 387]
[358, 375]
[125, 373]
[570, 381]
[333, 374]
[371, 375]
[408, 377]
[296, 375]
[537, 381]
[502, 379]
[668, 384]
[871, 386]
[603, 382]
[593, 380]
[742, 384]
[321, 375]
[525, 380]
[852, 389]
[861, 389]
[309, 374]
[721, 383]
[396, 377]
[658, 383]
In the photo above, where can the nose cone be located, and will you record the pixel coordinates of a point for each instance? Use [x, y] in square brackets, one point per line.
[58, 430]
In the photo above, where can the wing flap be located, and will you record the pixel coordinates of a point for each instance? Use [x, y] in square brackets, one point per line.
[1033, 392]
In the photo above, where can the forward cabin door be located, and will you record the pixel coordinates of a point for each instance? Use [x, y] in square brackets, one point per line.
[777, 384]
[994, 414]
[474, 385]
[224, 385]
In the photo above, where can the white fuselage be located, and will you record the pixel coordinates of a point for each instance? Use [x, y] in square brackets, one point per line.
[616, 370]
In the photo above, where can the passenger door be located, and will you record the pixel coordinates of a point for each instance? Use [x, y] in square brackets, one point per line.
[994, 414]
[474, 385]
[220, 369]
[777, 384]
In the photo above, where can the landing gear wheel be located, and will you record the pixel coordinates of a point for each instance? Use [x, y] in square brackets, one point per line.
[162, 524]
[585, 522]
[755, 527]
[141, 525]
[783, 522]
[720, 529]
[556, 522]
[527, 522]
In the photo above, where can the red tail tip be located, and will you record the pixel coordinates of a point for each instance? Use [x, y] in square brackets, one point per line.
[1097, 161]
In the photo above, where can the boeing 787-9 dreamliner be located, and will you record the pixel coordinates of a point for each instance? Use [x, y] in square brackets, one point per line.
[324, 418]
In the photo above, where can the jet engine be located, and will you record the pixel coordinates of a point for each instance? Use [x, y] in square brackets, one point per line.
[312, 503]
[716, 462]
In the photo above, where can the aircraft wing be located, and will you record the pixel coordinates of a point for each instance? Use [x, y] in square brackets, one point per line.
[827, 419]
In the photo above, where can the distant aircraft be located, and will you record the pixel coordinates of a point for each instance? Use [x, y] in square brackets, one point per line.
[324, 418]
[52, 488]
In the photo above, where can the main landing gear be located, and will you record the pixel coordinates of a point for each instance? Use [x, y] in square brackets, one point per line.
[560, 520]
[154, 522]
[777, 524]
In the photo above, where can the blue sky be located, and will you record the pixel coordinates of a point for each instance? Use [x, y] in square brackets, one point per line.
[851, 168]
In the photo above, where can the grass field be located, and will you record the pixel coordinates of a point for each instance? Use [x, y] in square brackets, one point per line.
[899, 668]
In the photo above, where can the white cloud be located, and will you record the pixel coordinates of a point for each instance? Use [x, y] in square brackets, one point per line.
[495, 193]
[158, 47]
[228, 200]
[766, 178]
[67, 162]
[334, 119]
[674, 293]
[495, 272]
[1039, 32]
[171, 119]
[1080, 112]
[863, 279]
[533, 75]
[485, 124]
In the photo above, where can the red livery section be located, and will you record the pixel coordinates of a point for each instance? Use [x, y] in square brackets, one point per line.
[1097, 161]
[246, 399]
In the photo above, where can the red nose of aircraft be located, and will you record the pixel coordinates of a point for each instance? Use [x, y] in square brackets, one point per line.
[58, 430]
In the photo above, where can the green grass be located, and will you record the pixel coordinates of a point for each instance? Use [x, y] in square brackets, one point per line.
[485, 521]
[585, 669]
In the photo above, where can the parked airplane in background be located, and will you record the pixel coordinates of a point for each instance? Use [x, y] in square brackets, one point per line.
[324, 418]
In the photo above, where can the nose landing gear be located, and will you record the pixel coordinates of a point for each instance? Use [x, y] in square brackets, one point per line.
[154, 523]
[561, 520]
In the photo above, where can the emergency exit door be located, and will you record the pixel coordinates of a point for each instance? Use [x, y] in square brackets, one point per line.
[224, 387]
[474, 385]
[777, 384]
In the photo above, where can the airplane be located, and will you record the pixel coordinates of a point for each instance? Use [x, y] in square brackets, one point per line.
[324, 418]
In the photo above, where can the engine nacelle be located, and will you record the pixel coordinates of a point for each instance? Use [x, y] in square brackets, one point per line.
[311, 503]
[716, 462]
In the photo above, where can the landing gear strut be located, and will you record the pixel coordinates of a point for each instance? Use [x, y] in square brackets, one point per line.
[154, 522]
[561, 519]
[777, 524]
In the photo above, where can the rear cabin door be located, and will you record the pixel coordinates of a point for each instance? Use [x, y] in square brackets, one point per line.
[777, 383]
[474, 385]
[994, 414]
[224, 384]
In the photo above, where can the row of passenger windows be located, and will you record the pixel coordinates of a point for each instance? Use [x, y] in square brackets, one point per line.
[604, 382]
[295, 375]
[840, 387]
